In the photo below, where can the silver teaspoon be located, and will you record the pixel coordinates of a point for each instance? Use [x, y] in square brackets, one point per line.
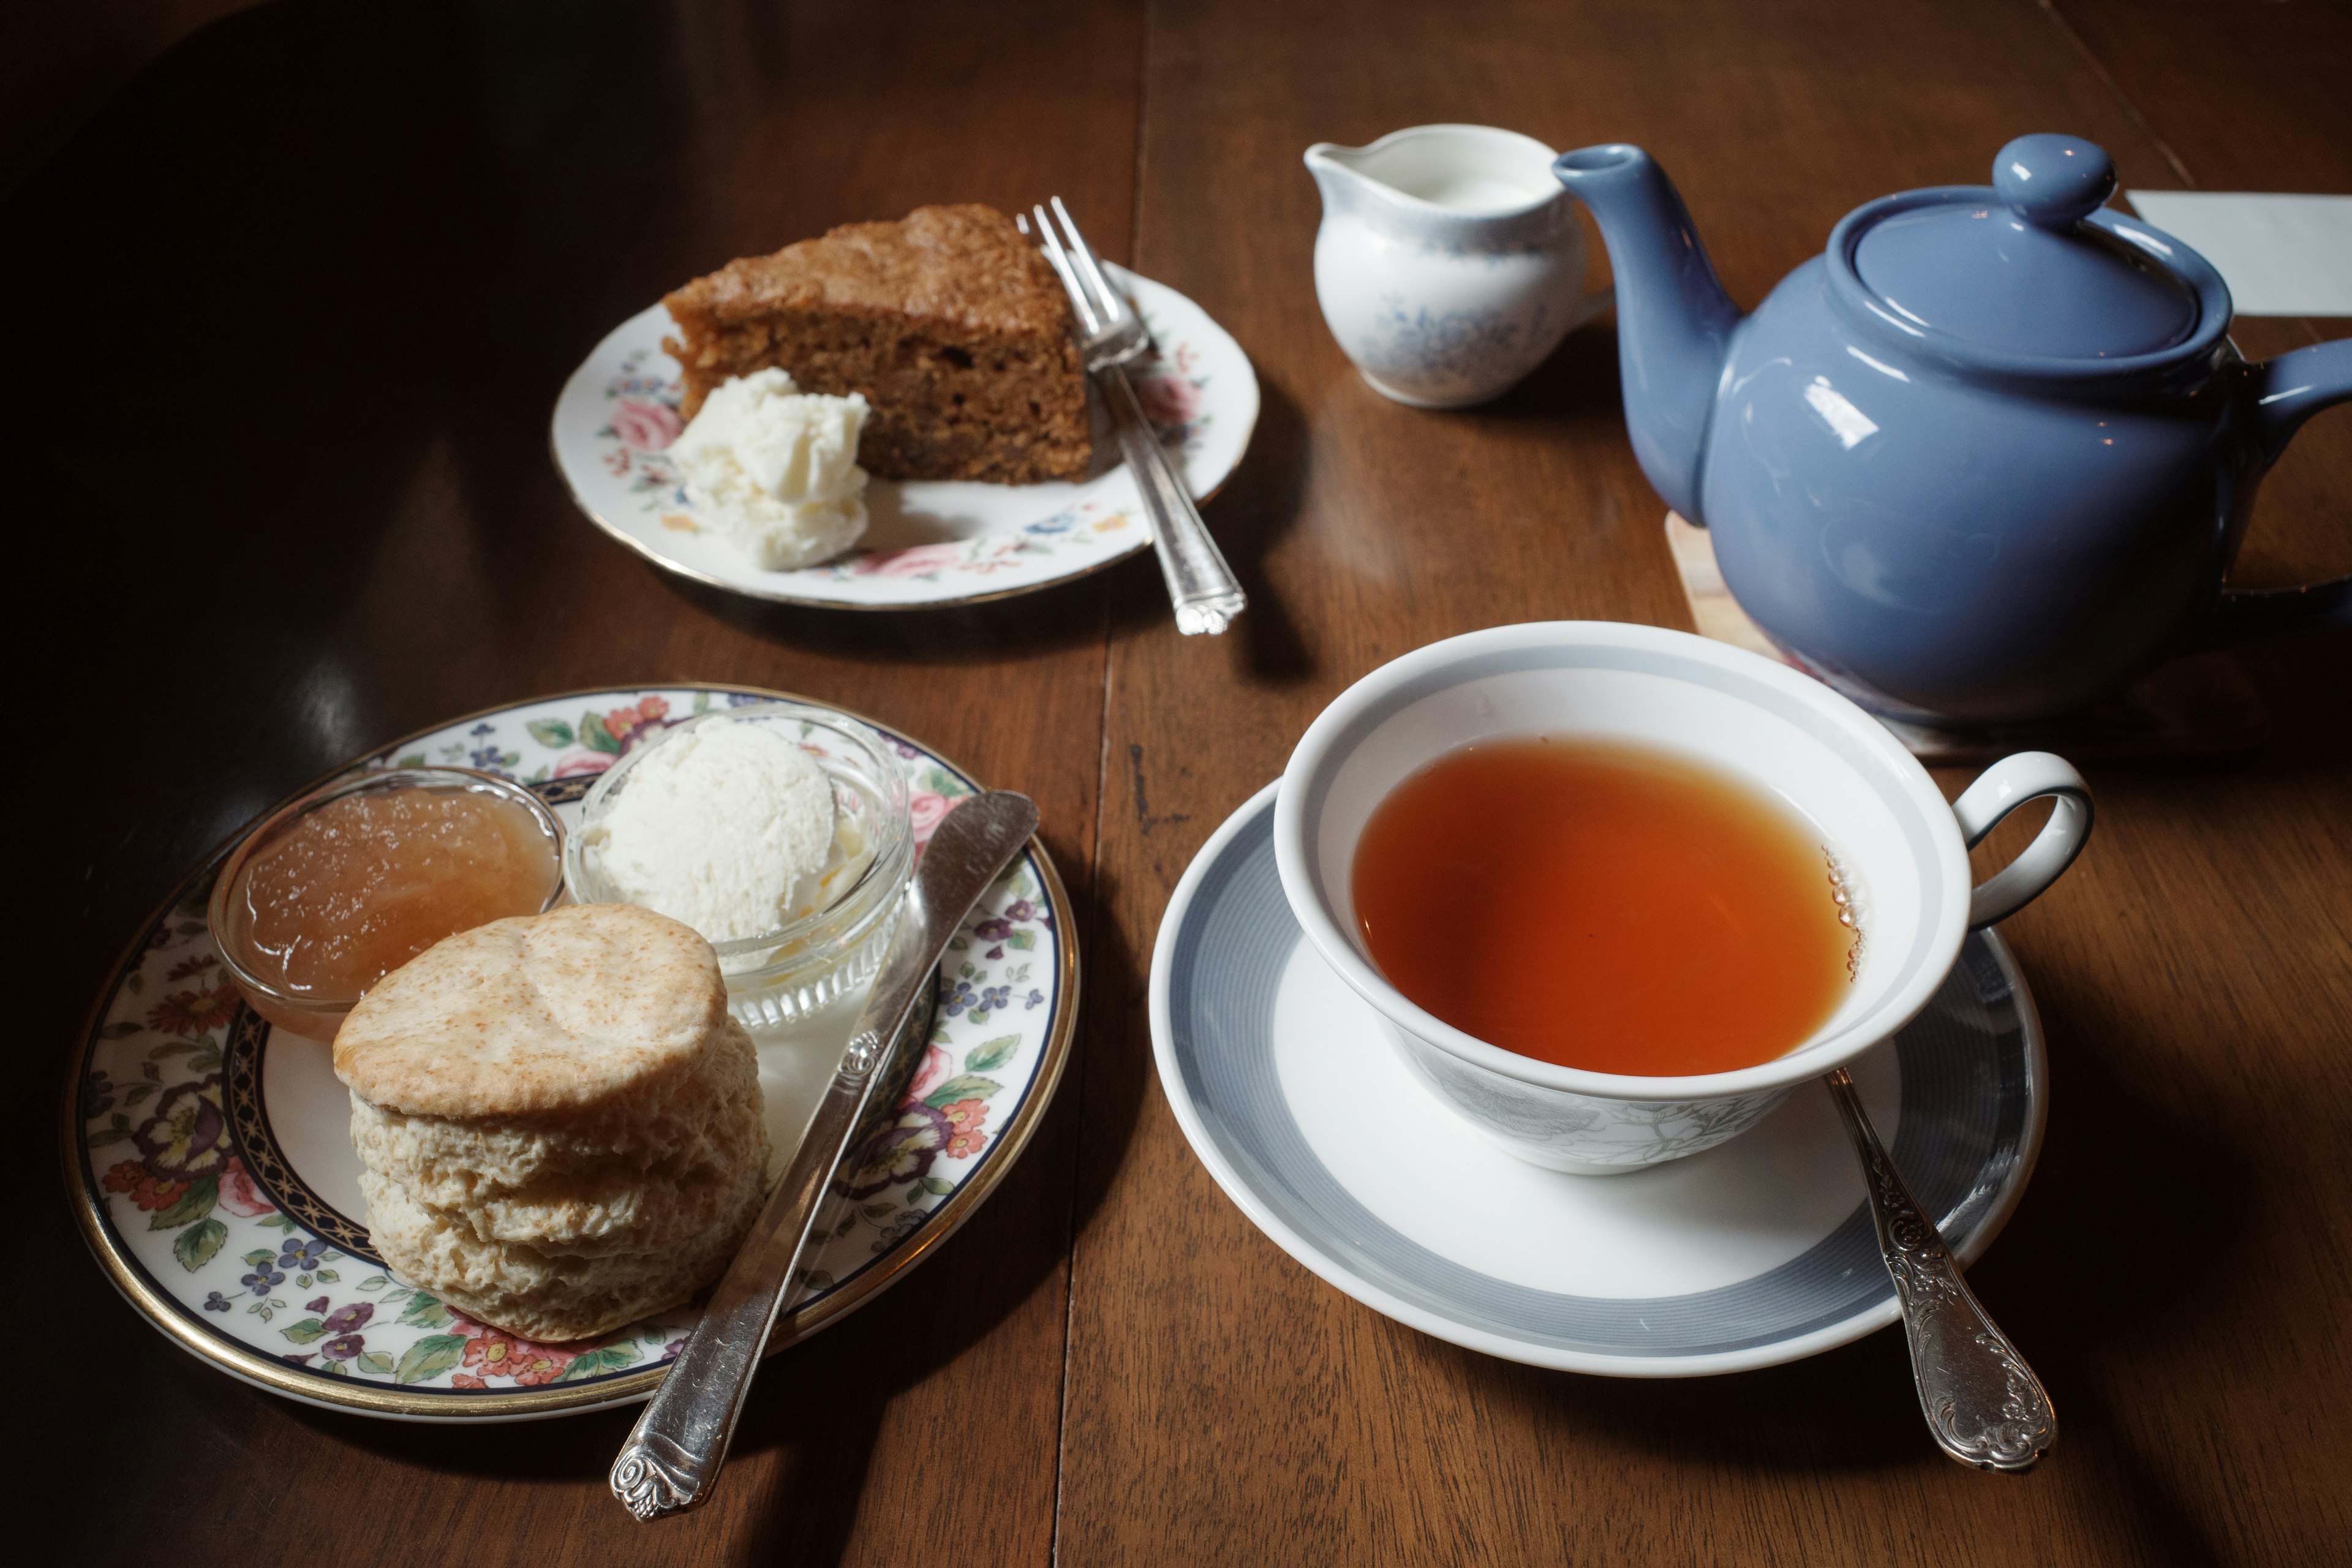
[671, 1460]
[1984, 1406]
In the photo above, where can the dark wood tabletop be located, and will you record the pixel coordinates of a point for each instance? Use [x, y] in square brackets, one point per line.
[291, 313]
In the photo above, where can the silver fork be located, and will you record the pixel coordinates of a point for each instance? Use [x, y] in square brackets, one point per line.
[1111, 336]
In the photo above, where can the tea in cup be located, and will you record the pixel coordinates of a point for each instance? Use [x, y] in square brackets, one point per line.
[1613, 891]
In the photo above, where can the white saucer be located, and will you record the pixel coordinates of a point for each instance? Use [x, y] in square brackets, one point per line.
[1754, 1253]
[929, 543]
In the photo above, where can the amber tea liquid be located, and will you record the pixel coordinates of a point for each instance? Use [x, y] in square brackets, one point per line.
[1603, 906]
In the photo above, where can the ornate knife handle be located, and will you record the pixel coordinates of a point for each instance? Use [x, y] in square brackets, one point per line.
[1983, 1405]
[673, 1456]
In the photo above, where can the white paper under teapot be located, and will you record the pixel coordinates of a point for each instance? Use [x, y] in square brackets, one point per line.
[1449, 263]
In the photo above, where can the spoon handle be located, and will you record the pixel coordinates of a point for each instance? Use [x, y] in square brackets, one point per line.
[1984, 1406]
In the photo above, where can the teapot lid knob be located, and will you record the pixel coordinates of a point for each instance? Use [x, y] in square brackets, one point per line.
[2053, 182]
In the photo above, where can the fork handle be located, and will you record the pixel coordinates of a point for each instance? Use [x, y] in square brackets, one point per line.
[1200, 584]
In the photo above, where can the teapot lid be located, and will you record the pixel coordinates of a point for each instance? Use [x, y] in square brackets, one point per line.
[2023, 268]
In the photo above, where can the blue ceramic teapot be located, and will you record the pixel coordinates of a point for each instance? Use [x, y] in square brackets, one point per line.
[1985, 461]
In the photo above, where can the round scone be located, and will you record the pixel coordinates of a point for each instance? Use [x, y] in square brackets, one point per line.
[530, 1291]
[587, 1185]
[560, 1126]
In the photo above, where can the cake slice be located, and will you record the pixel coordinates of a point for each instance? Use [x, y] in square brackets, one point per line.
[951, 323]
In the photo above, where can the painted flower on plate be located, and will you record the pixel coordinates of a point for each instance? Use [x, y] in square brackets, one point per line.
[301, 1254]
[916, 561]
[1168, 399]
[183, 1139]
[926, 811]
[966, 1116]
[350, 1319]
[627, 722]
[902, 1152]
[143, 1188]
[193, 1011]
[494, 1353]
[933, 1067]
[537, 1365]
[647, 426]
[238, 1194]
[580, 764]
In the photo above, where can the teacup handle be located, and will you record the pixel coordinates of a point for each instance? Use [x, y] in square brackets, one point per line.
[2001, 789]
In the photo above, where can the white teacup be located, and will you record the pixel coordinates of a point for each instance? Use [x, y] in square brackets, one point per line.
[1903, 851]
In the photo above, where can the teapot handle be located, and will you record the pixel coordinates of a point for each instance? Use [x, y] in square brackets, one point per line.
[2285, 392]
[2001, 789]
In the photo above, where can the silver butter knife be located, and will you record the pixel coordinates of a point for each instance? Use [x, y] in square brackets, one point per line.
[671, 1460]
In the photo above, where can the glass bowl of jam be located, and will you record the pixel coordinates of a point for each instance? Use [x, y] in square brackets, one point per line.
[335, 890]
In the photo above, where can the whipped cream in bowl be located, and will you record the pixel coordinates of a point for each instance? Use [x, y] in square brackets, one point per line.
[780, 832]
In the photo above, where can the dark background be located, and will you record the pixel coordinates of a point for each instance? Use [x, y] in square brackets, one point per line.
[291, 304]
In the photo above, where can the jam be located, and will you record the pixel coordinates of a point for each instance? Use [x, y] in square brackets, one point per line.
[354, 888]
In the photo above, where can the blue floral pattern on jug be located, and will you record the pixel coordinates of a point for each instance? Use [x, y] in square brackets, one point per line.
[1433, 355]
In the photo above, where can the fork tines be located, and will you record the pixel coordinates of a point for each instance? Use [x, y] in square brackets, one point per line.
[1101, 309]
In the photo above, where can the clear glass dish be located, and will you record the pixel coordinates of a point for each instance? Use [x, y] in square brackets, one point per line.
[813, 972]
[314, 1015]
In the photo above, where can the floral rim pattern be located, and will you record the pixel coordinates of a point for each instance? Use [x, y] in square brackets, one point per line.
[204, 1225]
[950, 544]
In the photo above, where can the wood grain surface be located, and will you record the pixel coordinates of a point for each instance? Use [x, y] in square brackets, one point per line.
[299, 302]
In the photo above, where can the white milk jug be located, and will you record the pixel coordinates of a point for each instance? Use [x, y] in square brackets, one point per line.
[1449, 262]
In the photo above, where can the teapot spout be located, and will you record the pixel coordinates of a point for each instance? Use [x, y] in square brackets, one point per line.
[1674, 320]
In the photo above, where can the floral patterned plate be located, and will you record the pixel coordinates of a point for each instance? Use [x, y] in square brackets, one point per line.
[930, 542]
[1755, 1252]
[212, 1170]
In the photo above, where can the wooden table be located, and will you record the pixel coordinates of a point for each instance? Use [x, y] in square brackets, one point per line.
[298, 304]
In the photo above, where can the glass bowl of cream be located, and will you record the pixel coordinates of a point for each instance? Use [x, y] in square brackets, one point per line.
[339, 888]
[777, 830]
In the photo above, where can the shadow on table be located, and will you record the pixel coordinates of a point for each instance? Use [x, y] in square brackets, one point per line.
[2131, 1236]
[820, 1405]
[1247, 516]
